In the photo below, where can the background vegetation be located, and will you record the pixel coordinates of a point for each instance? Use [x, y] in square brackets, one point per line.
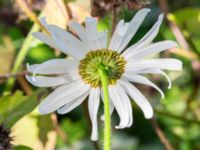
[177, 116]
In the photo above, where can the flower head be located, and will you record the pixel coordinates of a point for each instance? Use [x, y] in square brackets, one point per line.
[78, 78]
[5, 139]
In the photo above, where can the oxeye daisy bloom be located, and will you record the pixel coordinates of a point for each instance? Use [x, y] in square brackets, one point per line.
[76, 78]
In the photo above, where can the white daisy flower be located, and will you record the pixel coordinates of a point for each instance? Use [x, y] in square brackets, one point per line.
[78, 78]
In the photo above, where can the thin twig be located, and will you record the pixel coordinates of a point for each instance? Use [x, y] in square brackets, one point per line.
[9, 75]
[24, 85]
[69, 11]
[114, 19]
[161, 134]
[167, 114]
[57, 128]
[175, 29]
[27, 10]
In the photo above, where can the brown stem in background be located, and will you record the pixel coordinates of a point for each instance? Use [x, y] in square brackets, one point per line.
[69, 11]
[57, 128]
[24, 85]
[9, 75]
[175, 29]
[173, 116]
[114, 19]
[27, 10]
[161, 134]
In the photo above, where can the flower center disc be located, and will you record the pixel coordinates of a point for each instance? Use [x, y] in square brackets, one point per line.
[110, 61]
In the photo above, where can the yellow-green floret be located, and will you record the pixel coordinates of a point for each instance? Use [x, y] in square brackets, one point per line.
[110, 61]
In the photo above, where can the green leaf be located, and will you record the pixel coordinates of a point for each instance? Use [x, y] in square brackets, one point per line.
[13, 108]
[21, 147]
[39, 54]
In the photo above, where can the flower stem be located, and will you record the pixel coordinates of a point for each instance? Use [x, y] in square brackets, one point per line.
[107, 125]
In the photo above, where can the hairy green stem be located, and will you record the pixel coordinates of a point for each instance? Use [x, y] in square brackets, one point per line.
[107, 125]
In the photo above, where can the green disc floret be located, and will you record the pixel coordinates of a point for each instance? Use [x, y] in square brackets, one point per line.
[110, 62]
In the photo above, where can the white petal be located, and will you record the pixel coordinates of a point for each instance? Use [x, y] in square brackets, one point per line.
[53, 66]
[89, 35]
[93, 105]
[118, 35]
[163, 63]
[138, 97]
[91, 27]
[122, 111]
[68, 48]
[142, 80]
[147, 39]
[131, 30]
[46, 39]
[44, 22]
[69, 38]
[127, 104]
[63, 95]
[155, 71]
[99, 42]
[42, 81]
[151, 49]
[79, 29]
[72, 104]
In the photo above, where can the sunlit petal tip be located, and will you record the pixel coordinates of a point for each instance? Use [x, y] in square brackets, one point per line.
[150, 115]
[161, 16]
[169, 86]
[42, 110]
[28, 66]
[43, 21]
[35, 34]
[94, 138]
[144, 10]
[163, 96]
[120, 127]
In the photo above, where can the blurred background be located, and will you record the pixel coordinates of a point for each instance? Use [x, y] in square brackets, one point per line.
[177, 116]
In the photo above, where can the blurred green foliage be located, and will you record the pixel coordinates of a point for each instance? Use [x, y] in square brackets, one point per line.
[178, 114]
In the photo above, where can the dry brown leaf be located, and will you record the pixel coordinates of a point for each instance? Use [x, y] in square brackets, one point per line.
[80, 10]
[6, 55]
[56, 13]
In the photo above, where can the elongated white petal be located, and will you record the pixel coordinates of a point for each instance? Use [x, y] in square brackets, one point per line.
[142, 80]
[42, 81]
[53, 66]
[129, 31]
[44, 22]
[163, 63]
[147, 39]
[72, 104]
[68, 48]
[122, 111]
[151, 49]
[118, 35]
[69, 38]
[63, 95]
[155, 71]
[138, 97]
[89, 35]
[80, 31]
[91, 27]
[99, 41]
[127, 103]
[93, 105]
[46, 39]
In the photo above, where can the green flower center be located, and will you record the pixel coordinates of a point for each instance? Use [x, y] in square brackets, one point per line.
[109, 61]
